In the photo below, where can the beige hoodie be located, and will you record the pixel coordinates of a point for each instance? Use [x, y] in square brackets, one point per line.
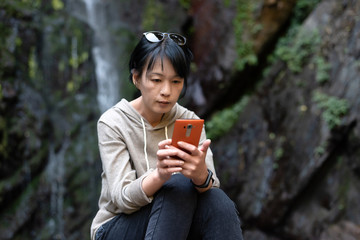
[128, 145]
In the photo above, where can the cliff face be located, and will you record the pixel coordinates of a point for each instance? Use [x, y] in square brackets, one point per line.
[48, 146]
[290, 161]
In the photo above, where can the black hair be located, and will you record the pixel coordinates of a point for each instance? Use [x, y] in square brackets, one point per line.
[147, 52]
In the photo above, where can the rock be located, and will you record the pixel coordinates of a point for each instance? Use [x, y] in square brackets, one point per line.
[291, 171]
[344, 230]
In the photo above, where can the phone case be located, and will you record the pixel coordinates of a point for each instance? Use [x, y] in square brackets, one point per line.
[187, 130]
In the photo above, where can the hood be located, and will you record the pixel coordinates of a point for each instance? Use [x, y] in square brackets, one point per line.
[176, 112]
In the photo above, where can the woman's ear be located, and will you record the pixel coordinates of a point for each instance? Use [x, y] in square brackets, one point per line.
[135, 77]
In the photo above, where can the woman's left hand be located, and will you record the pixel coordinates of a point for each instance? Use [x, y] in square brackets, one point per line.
[194, 166]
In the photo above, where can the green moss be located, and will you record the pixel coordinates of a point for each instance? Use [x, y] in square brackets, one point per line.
[57, 4]
[20, 203]
[244, 20]
[32, 65]
[279, 152]
[343, 191]
[296, 53]
[222, 121]
[18, 177]
[320, 150]
[185, 4]
[226, 3]
[291, 44]
[322, 67]
[302, 9]
[333, 108]
[154, 13]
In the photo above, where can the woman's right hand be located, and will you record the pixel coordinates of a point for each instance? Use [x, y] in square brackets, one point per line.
[167, 164]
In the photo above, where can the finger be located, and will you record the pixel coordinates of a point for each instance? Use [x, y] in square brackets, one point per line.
[189, 148]
[205, 146]
[166, 153]
[167, 172]
[169, 166]
[171, 163]
[172, 170]
[164, 143]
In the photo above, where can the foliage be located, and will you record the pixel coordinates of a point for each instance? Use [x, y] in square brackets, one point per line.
[322, 67]
[295, 54]
[244, 47]
[291, 48]
[222, 121]
[320, 150]
[185, 4]
[290, 45]
[154, 16]
[57, 4]
[333, 108]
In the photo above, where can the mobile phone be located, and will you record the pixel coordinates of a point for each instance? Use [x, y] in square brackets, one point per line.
[187, 130]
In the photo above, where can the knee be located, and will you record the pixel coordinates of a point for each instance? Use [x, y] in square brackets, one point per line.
[179, 187]
[219, 203]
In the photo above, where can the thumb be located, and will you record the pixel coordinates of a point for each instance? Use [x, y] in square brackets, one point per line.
[204, 147]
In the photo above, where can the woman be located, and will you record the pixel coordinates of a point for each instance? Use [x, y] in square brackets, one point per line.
[151, 190]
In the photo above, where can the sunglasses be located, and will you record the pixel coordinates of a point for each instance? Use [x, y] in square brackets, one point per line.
[155, 36]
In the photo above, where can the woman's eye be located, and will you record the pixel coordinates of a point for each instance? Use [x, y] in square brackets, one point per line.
[156, 80]
[176, 81]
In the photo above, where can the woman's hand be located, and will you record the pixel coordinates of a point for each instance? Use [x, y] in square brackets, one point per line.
[167, 163]
[166, 166]
[189, 160]
[194, 166]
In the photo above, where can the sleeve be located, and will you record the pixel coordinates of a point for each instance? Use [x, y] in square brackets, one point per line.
[123, 187]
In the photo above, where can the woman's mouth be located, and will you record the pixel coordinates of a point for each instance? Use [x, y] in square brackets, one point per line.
[164, 102]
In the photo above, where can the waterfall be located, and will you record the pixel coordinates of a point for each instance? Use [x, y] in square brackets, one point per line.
[107, 75]
[56, 176]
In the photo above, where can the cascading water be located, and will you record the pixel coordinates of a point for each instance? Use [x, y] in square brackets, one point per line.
[107, 75]
[55, 175]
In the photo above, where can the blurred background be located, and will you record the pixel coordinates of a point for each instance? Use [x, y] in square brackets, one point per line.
[277, 81]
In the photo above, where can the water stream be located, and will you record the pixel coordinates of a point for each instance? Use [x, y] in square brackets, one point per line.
[56, 176]
[107, 75]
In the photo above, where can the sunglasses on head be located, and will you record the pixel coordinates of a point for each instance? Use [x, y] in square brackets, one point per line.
[155, 36]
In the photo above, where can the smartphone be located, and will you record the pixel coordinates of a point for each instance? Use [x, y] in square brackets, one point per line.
[187, 130]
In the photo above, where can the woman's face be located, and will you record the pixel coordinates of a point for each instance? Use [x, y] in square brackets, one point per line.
[160, 88]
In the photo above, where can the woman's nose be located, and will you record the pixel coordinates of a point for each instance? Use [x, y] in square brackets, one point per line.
[166, 89]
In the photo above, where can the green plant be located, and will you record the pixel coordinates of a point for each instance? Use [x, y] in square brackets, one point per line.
[244, 46]
[57, 4]
[322, 67]
[279, 152]
[302, 9]
[297, 52]
[286, 43]
[333, 108]
[154, 14]
[221, 122]
[185, 4]
[320, 150]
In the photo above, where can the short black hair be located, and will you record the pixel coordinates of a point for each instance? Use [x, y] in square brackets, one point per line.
[147, 52]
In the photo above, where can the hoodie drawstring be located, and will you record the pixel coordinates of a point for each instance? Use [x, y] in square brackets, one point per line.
[145, 143]
[166, 135]
[145, 152]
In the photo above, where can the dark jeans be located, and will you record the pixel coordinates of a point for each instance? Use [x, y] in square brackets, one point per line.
[178, 211]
